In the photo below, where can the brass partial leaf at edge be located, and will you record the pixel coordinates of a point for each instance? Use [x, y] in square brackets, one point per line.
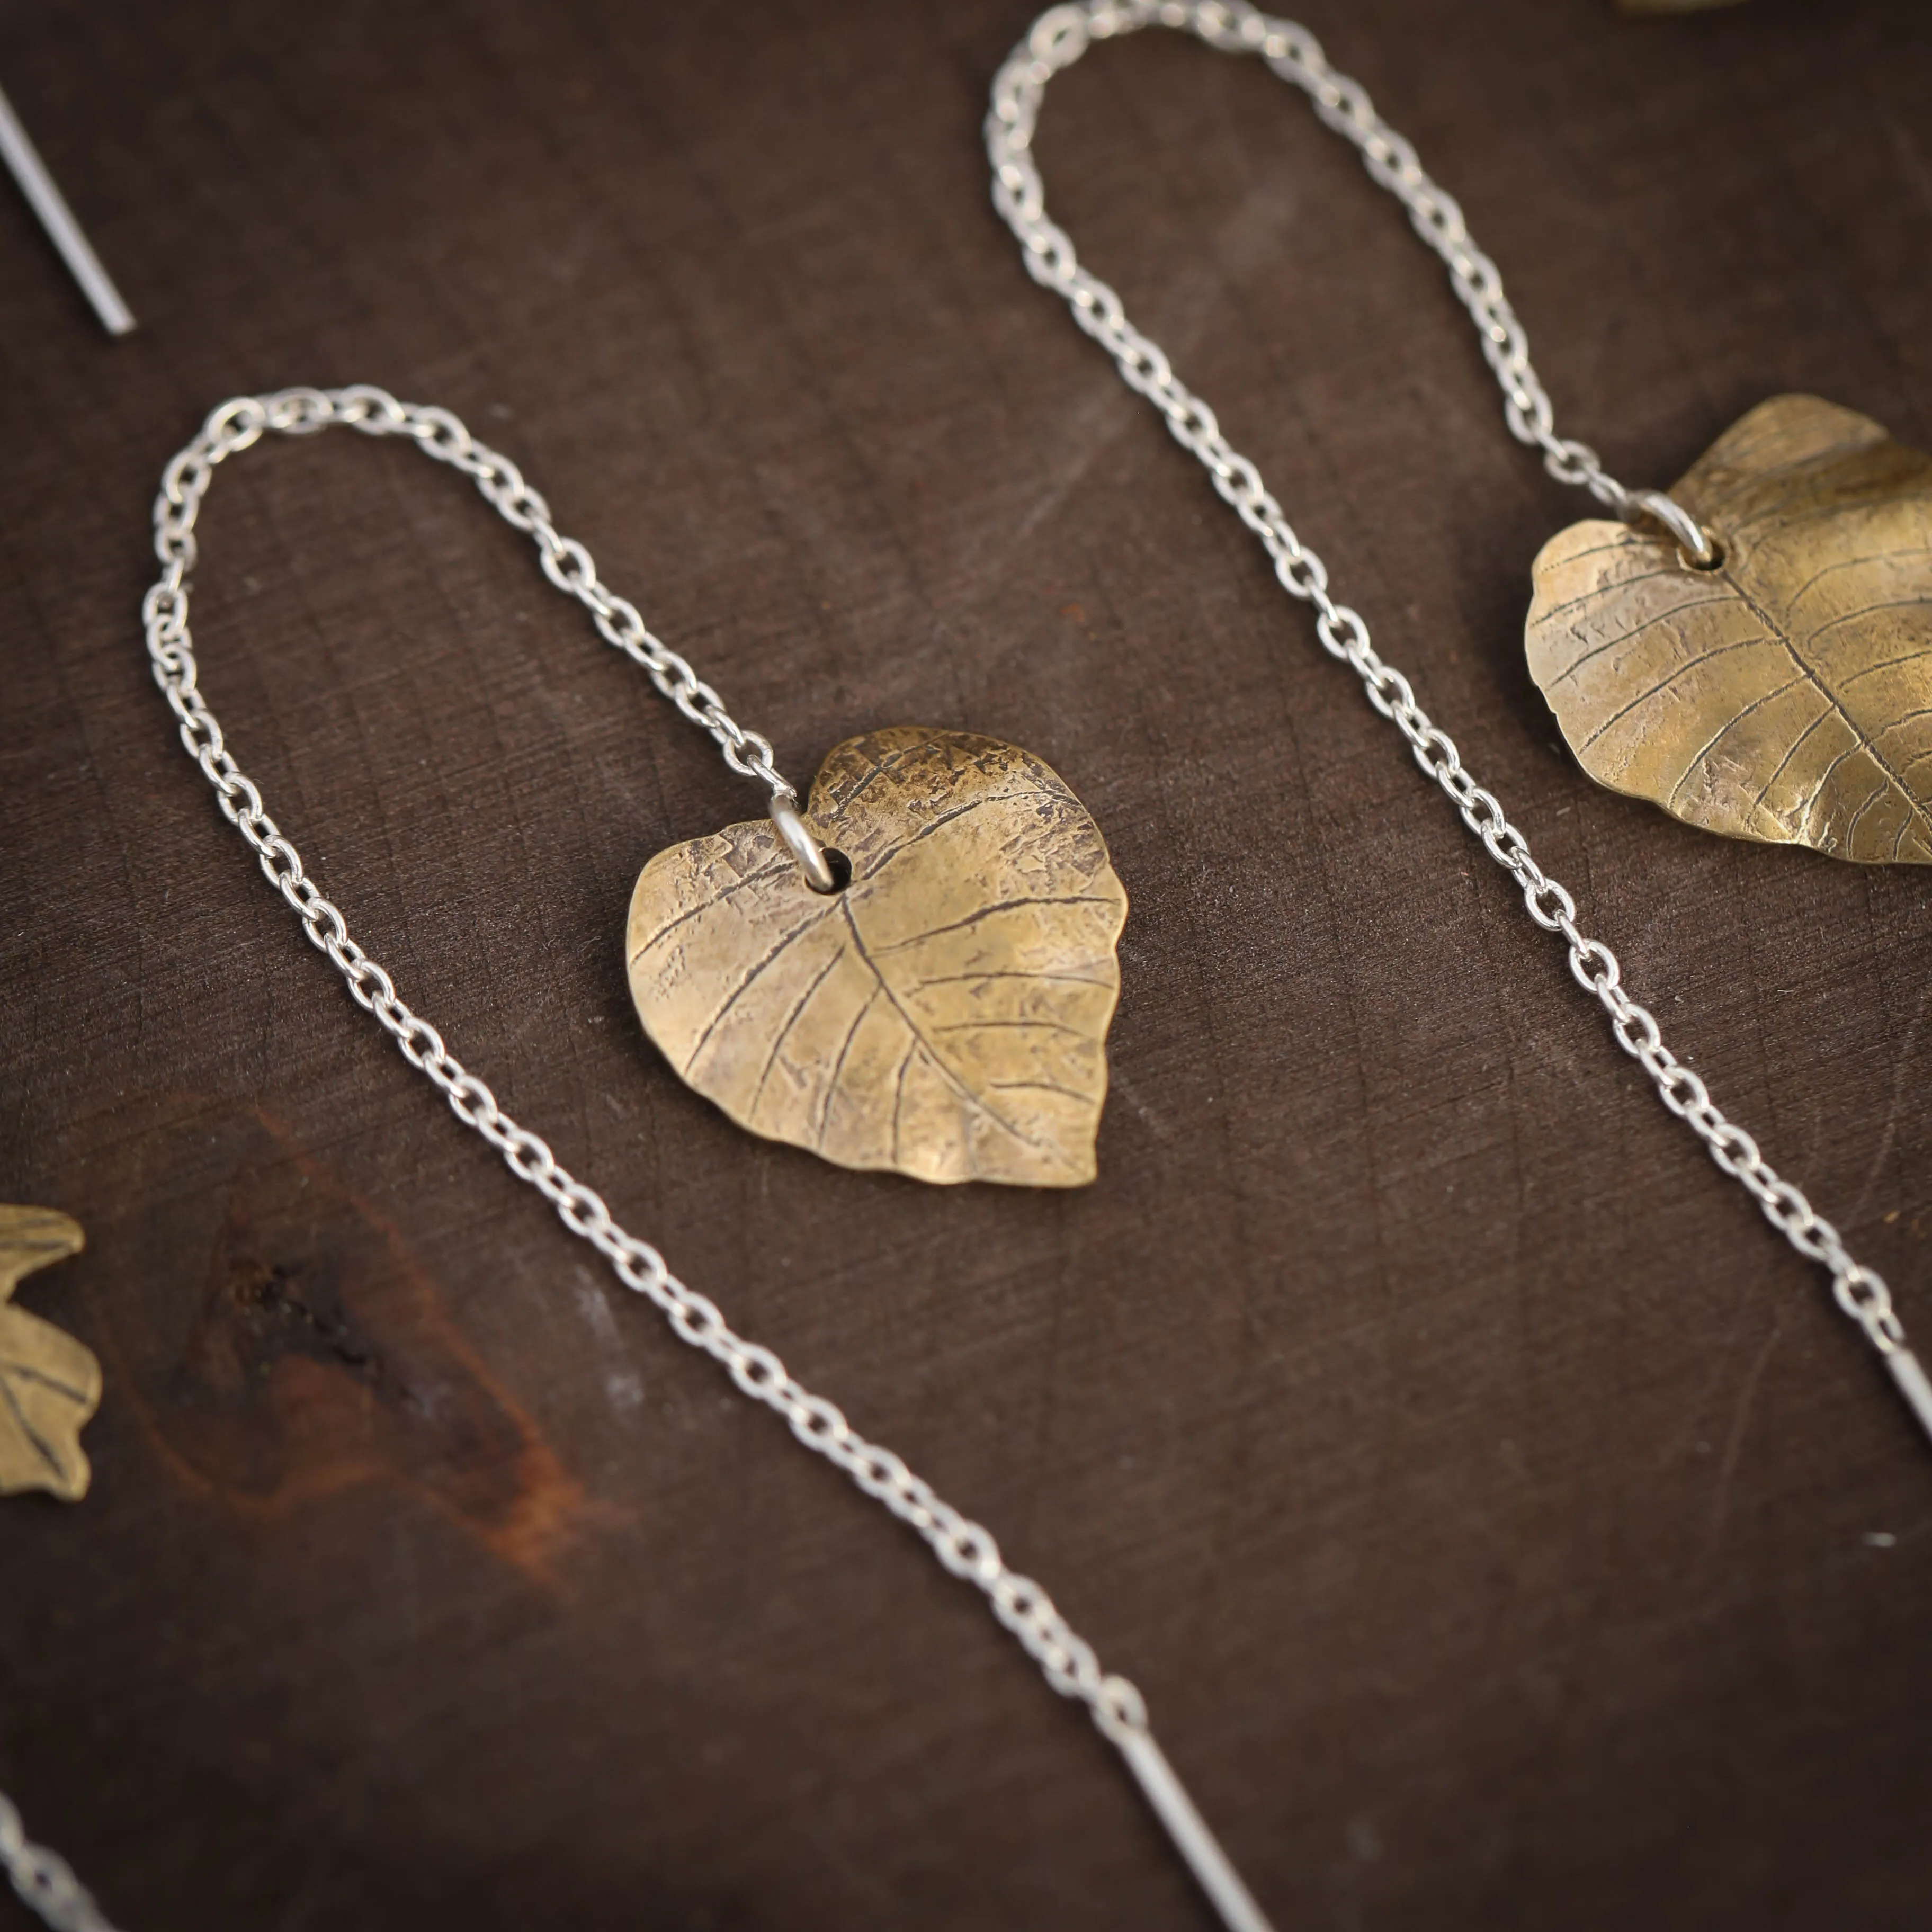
[49, 1383]
[1786, 695]
[945, 1016]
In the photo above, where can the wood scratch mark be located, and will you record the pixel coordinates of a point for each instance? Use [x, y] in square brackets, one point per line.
[1734, 1442]
[1898, 1107]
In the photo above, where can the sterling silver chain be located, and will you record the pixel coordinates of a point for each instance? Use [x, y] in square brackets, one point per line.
[964, 1547]
[1058, 39]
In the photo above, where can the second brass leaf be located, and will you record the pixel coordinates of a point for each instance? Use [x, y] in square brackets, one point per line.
[1786, 695]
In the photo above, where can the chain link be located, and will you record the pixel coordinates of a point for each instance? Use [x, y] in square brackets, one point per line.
[44, 1880]
[1060, 36]
[1057, 39]
[963, 1547]
[242, 421]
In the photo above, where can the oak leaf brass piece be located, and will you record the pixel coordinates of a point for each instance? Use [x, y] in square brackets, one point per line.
[945, 1015]
[49, 1383]
[1785, 695]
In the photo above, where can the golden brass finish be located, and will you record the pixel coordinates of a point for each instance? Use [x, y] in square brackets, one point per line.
[946, 1015]
[1785, 695]
[49, 1384]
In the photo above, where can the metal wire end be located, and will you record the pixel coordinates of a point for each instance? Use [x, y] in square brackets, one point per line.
[1910, 1376]
[23, 161]
[1699, 547]
[800, 843]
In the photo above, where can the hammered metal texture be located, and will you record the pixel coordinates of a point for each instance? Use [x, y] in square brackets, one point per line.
[945, 1016]
[1786, 695]
[49, 1383]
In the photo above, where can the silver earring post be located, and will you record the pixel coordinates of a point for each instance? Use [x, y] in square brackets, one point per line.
[23, 160]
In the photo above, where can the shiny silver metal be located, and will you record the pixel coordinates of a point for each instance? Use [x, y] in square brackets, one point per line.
[1062, 34]
[1056, 40]
[23, 161]
[962, 1546]
[241, 421]
[1699, 547]
[43, 1881]
[1910, 1374]
[1213, 1870]
[799, 842]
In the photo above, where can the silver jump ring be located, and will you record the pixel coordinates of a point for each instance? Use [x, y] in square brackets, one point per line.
[800, 843]
[1693, 539]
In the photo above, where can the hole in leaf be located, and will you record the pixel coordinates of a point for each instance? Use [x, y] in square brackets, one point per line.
[841, 868]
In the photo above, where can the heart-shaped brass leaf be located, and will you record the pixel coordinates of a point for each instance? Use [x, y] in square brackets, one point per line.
[1785, 695]
[945, 1015]
[49, 1383]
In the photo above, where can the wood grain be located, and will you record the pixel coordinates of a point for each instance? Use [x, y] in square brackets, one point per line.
[1482, 1497]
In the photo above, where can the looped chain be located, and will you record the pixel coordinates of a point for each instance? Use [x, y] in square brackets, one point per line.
[239, 424]
[1060, 36]
[964, 1548]
[1057, 40]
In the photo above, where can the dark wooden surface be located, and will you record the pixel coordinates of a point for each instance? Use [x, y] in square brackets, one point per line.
[1491, 1508]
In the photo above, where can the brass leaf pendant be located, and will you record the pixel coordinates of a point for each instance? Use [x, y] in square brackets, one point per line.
[49, 1383]
[1786, 694]
[945, 1016]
